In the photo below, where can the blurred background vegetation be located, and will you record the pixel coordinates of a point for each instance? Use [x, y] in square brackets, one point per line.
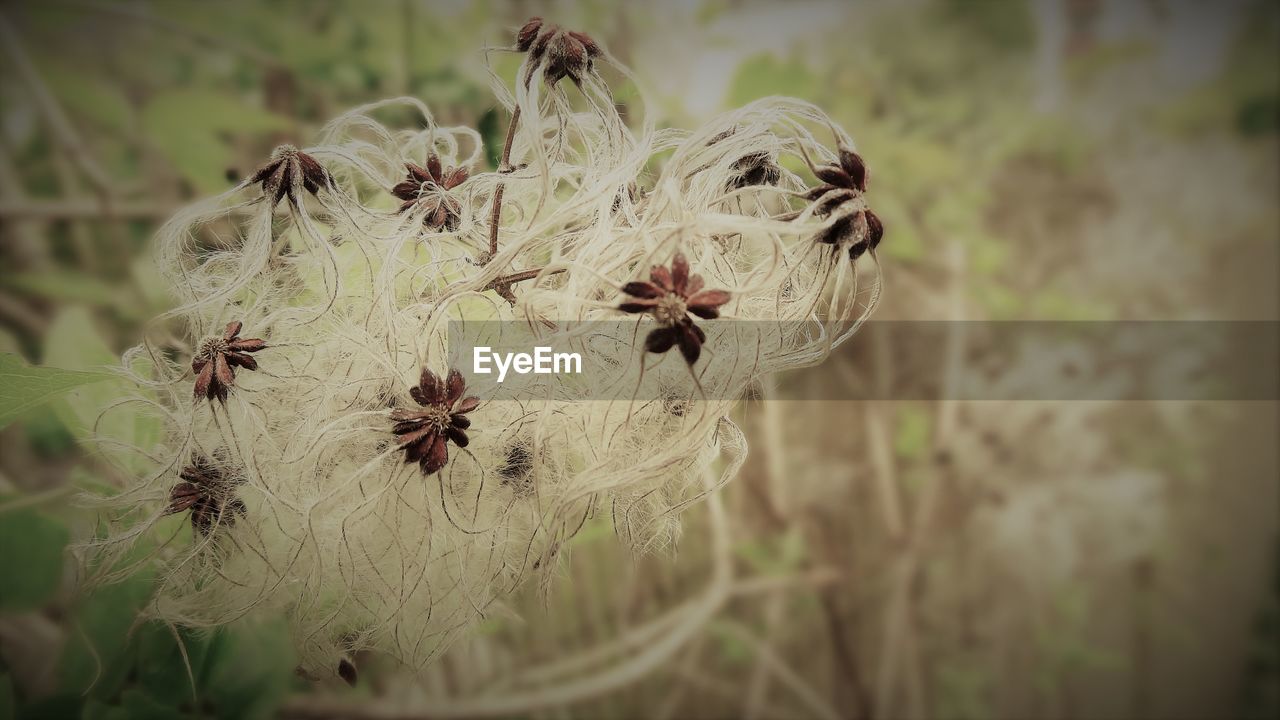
[1037, 159]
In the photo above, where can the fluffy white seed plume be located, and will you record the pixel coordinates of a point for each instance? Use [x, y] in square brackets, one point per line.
[300, 498]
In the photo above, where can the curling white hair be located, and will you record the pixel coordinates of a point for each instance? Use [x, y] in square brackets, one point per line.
[361, 551]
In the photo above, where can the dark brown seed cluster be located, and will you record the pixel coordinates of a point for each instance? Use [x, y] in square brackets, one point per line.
[562, 53]
[424, 433]
[752, 169]
[429, 188]
[208, 493]
[517, 471]
[842, 182]
[288, 173]
[214, 363]
[347, 671]
[670, 296]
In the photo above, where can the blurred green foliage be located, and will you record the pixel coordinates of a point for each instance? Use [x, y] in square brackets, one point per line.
[25, 387]
[176, 100]
[31, 562]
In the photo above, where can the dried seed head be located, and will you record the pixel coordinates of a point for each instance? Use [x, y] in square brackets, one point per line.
[844, 183]
[670, 296]
[755, 169]
[215, 363]
[424, 434]
[670, 309]
[560, 52]
[288, 173]
[208, 491]
[429, 188]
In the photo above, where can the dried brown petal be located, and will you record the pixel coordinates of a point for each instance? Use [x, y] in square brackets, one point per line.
[660, 340]
[641, 289]
[527, 34]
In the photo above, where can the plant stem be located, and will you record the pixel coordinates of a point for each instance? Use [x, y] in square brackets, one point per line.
[502, 285]
[504, 166]
[522, 275]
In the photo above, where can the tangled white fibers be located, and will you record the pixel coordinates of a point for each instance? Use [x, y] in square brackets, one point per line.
[315, 292]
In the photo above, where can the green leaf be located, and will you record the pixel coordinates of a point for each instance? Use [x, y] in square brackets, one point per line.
[189, 127]
[134, 705]
[253, 672]
[162, 671]
[31, 548]
[70, 286]
[9, 342]
[54, 707]
[74, 342]
[95, 660]
[23, 387]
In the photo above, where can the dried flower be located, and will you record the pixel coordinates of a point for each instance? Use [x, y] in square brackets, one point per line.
[564, 53]
[428, 187]
[424, 433]
[207, 493]
[218, 355]
[289, 171]
[841, 183]
[670, 296]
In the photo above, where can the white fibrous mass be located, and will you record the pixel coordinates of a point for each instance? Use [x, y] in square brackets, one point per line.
[352, 260]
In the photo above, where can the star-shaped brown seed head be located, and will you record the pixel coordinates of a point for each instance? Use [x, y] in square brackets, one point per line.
[842, 182]
[288, 173]
[429, 188]
[562, 53]
[208, 492]
[215, 362]
[670, 296]
[424, 433]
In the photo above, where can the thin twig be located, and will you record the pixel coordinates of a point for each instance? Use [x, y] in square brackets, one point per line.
[900, 632]
[63, 131]
[783, 672]
[29, 247]
[504, 166]
[507, 280]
